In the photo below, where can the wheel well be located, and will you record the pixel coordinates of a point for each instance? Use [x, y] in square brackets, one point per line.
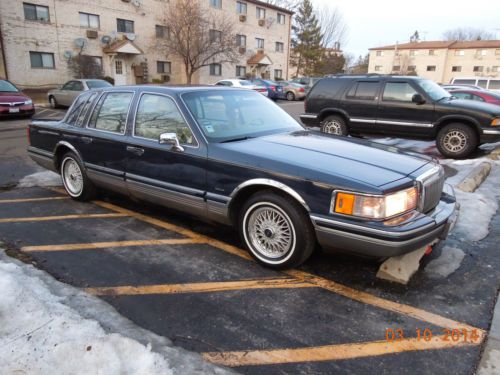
[460, 121]
[61, 150]
[336, 113]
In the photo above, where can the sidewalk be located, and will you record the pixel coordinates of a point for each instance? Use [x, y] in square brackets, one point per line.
[490, 362]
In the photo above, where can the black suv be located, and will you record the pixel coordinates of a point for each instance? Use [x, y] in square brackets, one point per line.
[401, 106]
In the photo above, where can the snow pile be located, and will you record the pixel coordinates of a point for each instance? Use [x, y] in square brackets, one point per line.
[41, 333]
[42, 179]
[446, 264]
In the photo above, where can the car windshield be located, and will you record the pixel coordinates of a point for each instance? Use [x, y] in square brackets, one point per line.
[432, 89]
[226, 116]
[6, 86]
[98, 83]
[245, 83]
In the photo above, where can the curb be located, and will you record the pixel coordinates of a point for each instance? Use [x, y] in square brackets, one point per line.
[490, 360]
[475, 178]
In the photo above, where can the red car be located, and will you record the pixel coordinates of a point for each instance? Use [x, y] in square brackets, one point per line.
[13, 102]
[480, 96]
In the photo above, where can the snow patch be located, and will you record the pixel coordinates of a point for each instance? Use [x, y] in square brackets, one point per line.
[450, 260]
[41, 179]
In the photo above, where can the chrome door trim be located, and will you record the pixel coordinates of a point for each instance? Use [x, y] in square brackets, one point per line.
[164, 185]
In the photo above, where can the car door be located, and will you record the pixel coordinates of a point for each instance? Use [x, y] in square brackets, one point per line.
[103, 141]
[398, 114]
[161, 173]
[360, 101]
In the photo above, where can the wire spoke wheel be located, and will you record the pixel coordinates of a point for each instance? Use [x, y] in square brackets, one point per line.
[72, 177]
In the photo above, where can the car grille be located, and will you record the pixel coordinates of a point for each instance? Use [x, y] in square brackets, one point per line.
[431, 186]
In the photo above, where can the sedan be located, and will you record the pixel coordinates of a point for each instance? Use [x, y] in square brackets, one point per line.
[13, 102]
[233, 157]
[242, 84]
[294, 91]
[275, 91]
[71, 89]
[477, 95]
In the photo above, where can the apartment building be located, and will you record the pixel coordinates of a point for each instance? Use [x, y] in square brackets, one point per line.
[40, 38]
[440, 61]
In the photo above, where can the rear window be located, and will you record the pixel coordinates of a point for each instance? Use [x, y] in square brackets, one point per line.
[98, 83]
[364, 90]
[328, 87]
[76, 108]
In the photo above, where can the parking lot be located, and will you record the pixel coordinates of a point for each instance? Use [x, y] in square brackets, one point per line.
[192, 282]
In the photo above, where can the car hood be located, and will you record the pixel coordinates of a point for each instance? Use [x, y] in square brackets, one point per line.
[325, 158]
[9, 97]
[489, 108]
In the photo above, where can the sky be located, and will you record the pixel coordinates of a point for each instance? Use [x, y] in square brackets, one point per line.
[384, 22]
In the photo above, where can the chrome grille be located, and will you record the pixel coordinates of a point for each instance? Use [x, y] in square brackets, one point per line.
[430, 186]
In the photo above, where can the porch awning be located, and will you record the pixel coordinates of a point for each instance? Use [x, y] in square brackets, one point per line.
[259, 59]
[123, 46]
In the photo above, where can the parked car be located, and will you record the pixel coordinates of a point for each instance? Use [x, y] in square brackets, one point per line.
[13, 102]
[477, 95]
[483, 82]
[404, 107]
[234, 157]
[242, 83]
[461, 87]
[71, 89]
[307, 82]
[294, 91]
[274, 89]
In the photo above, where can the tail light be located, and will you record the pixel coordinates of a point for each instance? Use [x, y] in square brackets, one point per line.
[302, 89]
[273, 88]
[28, 135]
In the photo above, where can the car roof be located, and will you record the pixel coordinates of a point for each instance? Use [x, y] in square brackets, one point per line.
[174, 89]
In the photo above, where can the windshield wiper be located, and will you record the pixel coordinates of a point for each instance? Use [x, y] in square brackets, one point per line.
[236, 139]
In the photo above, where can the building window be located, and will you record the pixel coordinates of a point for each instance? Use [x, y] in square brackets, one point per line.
[162, 32]
[413, 52]
[478, 69]
[241, 71]
[412, 68]
[124, 26]
[241, 8]
[378, 68]
[214, 36]
[497, 52]
[163, 67]
[261, 13]
[432, 52]
[241, 40]
[431, 68]
[259, 43]
[379, 53]
[216, 3]
[456, 68]
[118, 67]
[280, 47]
[459, 52]
[215, 69]
[278, 74]
[495, 69]
[42, 60]
[34, 12]
[481, 52]
[396, 68]
[89, 21]
[281, 18]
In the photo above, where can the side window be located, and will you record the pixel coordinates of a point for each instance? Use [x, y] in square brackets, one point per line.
[110, 114]
[77, 86]
[85, 109]
[68, 85]
[398, 91]
[477, 98]
[75, 109]
[461, 95]
[364, 90]
[159, 114]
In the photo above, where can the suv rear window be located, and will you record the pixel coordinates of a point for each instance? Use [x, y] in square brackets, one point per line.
[364, 90]
[328, 87]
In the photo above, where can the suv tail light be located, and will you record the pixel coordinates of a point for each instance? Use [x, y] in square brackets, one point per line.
[273, 88]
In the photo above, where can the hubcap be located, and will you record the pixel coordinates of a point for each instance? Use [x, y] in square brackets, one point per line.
[455, 141]
[270, 231]
[332, 127]
[72, 177]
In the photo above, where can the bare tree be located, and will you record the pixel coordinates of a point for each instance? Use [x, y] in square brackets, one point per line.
[199, 36]
[333, 27]
[287, 4]
[84, 66]
[467, 33]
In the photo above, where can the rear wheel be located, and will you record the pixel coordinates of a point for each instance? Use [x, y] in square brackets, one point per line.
[75, 181]
[456, 140]
[276, 230]
[290, 96]
[334, 125]
[53, 102]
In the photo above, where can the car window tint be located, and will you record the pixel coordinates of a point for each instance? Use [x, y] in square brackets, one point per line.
[75, 109]
[461, 95]
[111, 112]
[77, 86]
[68, 86]
[364, 90]
[398, 91]
[158, 114]
[477, 98]
[85, 109]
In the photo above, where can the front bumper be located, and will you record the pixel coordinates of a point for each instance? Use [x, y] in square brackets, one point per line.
[379, 240]
[490, 135]
[24, 110]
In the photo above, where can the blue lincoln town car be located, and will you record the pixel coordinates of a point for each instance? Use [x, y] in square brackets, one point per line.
[234, 157]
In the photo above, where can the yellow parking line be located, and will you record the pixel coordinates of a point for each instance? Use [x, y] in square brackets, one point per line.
[104, 245]
[63, 217]
[199, 287]
[22, 200]
[330, 352]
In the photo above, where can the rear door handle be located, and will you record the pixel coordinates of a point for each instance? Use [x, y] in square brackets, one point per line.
[135, 150]
[86, 140]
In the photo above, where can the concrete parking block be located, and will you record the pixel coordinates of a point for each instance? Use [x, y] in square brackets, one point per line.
[475, 178]
[401, 268]
[495, 154]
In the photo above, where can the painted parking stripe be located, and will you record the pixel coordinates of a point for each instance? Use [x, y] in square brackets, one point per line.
[62, 217]
[112, 244]
[329, 352]
[22, 200]
[199, 287]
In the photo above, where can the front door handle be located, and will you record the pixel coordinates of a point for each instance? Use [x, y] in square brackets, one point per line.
[86, 140]
[135, 150]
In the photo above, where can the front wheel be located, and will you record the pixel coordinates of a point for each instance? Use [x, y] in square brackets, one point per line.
[456, 140]
[75, 181]
[276, 230]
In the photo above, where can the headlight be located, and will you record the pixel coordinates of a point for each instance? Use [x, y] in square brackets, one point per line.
[28, 102]
[495, 121]
[375, 207]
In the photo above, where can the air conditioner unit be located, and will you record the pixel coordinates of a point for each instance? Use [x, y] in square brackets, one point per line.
[165, 78]
[242, 50]
[262, 22]
[92, 34]
[243, 18]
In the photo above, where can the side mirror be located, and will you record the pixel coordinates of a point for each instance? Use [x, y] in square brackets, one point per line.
[418, 99]
[171, 139]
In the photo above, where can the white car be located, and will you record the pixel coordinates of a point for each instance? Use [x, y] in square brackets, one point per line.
[242, 83]
[71, 89]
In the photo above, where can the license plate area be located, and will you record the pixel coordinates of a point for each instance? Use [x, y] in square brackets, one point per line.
[13, 110]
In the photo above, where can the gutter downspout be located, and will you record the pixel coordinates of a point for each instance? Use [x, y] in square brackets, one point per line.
[4, 59]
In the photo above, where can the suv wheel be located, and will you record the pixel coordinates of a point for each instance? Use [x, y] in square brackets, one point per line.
[456, 140]
[334, 125]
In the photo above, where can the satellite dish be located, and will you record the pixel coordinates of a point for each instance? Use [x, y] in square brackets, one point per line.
[114, 34]
[80, 42]
[68, 54]
[105, 39]
[130, 36]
